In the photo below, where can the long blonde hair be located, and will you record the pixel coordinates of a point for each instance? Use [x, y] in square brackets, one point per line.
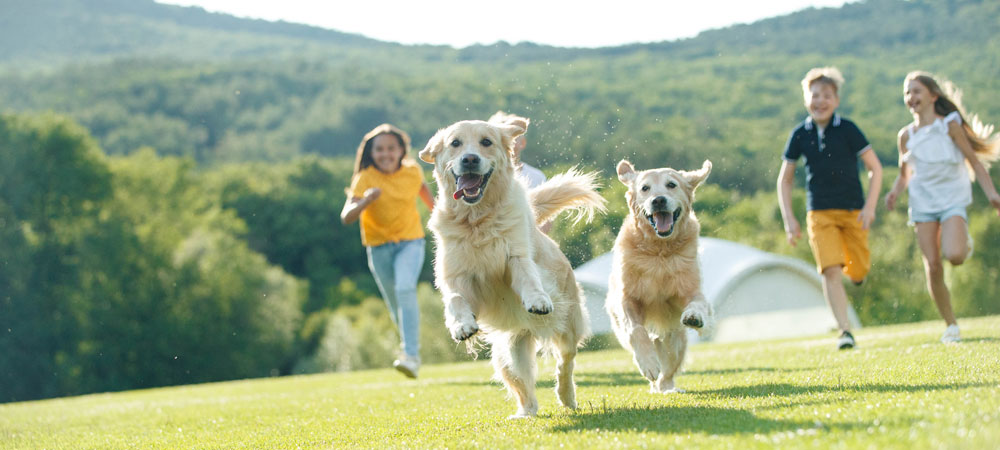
[949, 99]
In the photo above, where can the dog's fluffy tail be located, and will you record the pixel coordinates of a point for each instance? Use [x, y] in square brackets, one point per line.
[572, 190]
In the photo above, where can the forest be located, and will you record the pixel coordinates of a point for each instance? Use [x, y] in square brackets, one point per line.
[171, 180]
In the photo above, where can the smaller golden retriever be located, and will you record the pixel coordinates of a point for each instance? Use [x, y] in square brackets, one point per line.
[498, 274]
[655, 282]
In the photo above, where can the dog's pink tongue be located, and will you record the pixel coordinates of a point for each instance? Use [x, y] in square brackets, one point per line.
[663, 221]
[467, 182]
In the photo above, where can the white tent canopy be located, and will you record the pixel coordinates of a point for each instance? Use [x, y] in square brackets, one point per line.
[756, 295]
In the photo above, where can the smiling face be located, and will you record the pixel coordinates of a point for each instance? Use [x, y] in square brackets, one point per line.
[822, 101]
[387, 153]
[661, 197]
[466, 154]
[918, 97]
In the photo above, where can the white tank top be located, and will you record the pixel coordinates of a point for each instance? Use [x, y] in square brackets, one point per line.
[939, 179]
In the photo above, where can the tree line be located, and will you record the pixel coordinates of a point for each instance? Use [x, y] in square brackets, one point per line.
[122, 272]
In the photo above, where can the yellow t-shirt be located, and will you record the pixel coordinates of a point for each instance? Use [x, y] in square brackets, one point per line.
[393, 216]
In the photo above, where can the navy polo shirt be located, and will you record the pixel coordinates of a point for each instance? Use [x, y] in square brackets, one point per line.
[831, 162]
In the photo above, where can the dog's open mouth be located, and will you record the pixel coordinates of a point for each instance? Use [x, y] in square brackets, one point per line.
[470, 186]
[663, 221]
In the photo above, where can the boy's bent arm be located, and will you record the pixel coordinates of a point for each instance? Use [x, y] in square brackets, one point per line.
[786, 178]
[874, 167]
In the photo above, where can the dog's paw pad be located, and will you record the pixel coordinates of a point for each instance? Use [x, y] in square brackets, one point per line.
[693, 320]
[540, 310]
[462, 332]
[540, 306]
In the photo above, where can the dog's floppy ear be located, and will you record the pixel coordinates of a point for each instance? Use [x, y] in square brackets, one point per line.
[511, 129]
[434, 145]
[696, 177]
[626, 173]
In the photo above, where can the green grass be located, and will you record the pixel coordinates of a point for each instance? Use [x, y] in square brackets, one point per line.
[899, 389]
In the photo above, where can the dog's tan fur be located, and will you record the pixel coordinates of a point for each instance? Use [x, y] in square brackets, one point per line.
[655, 284]
[496, 271]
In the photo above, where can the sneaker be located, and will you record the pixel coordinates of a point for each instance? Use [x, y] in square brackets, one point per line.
[971, 244]
[845, 341]
[407, 365]
[950, 335]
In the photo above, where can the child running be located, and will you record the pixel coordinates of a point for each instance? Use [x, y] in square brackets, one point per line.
[936, 153]
[383, 193]
[839, 214]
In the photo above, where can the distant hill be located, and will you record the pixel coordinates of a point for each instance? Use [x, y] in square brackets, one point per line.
[217, 88]
[78, 30]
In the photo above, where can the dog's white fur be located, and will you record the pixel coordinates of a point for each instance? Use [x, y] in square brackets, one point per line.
[497, 272]
[655, 283]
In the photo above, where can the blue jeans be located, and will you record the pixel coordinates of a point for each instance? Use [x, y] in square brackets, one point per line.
[396, 266]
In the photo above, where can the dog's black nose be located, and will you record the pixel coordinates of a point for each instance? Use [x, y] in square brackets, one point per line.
[470, 161]
[660, 202]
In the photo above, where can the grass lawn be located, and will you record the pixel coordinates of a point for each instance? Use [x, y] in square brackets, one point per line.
[900, 388]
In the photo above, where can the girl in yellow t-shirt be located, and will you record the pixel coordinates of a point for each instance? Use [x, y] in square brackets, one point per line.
[383, 194]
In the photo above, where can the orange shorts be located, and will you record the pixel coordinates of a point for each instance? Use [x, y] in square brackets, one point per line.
[837, 239]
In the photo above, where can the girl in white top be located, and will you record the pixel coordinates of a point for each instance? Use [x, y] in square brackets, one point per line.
[938, 152]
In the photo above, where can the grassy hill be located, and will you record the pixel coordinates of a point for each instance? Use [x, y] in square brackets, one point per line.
[899, 389]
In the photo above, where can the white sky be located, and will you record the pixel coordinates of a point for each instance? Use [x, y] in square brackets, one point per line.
[564, 23]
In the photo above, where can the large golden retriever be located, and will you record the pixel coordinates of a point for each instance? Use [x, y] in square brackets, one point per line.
[498, 274]
[655, 283]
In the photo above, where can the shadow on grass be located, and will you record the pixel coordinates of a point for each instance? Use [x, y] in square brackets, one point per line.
[581, 379]
[631, 378]
[731, 371]
[683, 419]
[979, 340]
[783, 389]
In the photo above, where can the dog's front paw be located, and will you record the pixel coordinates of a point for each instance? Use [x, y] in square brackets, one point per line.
[692, 319]
[648, 365]
[461, 331]
[538, 304]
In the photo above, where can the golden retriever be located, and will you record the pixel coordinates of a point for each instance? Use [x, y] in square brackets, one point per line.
[497, 273]
[655, 282]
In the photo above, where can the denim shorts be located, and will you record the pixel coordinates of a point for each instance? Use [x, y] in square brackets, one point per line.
[939, 216]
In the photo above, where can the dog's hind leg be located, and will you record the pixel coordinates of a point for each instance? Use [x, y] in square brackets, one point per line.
[565, 354]
[516, 367]
[670, 351]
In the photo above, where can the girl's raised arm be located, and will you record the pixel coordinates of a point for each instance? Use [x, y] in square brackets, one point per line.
[957, 134]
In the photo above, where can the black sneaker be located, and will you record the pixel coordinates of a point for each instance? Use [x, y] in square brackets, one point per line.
[846, 341]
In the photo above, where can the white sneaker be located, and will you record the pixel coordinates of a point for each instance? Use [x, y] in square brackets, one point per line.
[407, 365]
[950, 335]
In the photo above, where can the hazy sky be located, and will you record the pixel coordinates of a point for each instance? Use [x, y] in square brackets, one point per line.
[555, 22]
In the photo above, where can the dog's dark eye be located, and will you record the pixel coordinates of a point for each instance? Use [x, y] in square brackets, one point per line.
[486, 142]
[456, 143]
[645, 188]
[671, 185]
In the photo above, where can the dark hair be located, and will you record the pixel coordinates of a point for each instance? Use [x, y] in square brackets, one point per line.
[364, 156]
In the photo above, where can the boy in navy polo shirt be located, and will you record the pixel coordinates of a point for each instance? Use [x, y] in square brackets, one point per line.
[838, 212]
